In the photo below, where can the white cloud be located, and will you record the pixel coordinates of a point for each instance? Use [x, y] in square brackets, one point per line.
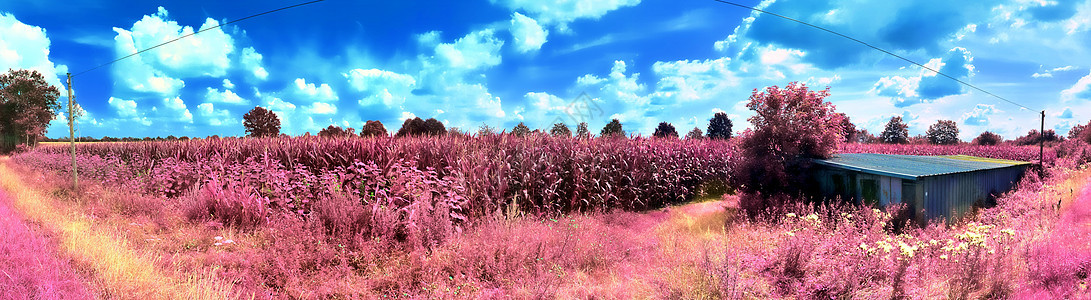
[124, 108]
[979, 116]
[24, 46]
[251, 60]
[321, 108]
[928, 85]
[227, 96]
[176, 110]
[205, 54]
[228, 84]
[385, 87]
[1079, 91]
[479, 49]
[686, 80]
[214, 117]
[562, 12]
[314, 92]
[527, 33]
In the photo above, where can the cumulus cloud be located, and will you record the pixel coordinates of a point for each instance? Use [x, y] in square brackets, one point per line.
[902, 26]
[314, 92]
[206, 54]
[124, 108]
[228, 85]
[24, 46]
[479, 49]
[1066, 114]
[175, 110]
[251, 61]
[1079, 91]
[928, 86]
[321, 108]
[227, 96]
[686, 80]
[979, 116]
[527, 33]
[383, 87]
[562, 12]
[213, 116]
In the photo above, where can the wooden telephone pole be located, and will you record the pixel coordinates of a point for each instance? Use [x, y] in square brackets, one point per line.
[1042, 140]
[72, 130]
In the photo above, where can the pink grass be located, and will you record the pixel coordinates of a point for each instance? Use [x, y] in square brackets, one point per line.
[29, 268]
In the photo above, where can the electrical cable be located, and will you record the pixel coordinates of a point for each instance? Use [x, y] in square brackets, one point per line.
[874, 47]
[195, 33]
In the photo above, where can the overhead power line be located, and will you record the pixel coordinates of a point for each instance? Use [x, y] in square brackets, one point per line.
[874, 47]
[195, 33]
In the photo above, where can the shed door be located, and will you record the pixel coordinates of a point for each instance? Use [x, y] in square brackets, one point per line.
[891, 190]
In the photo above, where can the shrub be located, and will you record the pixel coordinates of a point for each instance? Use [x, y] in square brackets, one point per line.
[232, 205]
[895, 132]
[719, 127]
[1033, 137]
[665, 130]
[987, 139]
[336, 132]
[944, 132]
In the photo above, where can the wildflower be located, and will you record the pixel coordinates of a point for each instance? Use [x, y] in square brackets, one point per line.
[218, 244]
[1008, 231]
[790, 233]
[228, 241]
[943, 256]
[790, 215]
[219, 238]
[933, 242]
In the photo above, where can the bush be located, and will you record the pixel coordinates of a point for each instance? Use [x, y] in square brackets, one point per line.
[987, 139]
[233, 205]
[1034, 137]
[695, 134]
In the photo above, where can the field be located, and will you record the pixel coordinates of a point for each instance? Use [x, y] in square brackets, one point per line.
[511, 217]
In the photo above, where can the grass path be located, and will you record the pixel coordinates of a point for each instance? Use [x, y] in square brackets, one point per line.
[117, 269]
[29, 266]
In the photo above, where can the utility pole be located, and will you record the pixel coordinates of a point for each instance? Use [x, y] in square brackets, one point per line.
[1042, 140]
[72, 130]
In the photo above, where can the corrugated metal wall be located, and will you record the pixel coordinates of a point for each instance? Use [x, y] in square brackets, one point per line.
[950, 196]
[942, 197]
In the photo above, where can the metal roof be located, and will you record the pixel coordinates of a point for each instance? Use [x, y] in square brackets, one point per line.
[914, 167]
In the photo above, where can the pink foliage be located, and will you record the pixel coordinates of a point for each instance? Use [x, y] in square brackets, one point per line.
[29, 268]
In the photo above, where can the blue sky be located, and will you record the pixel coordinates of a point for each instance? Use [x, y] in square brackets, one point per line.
[501, 62]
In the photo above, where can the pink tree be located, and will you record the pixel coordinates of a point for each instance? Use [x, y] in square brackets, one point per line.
[791, 126]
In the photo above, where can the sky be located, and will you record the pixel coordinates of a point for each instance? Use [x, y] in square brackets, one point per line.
[501, 62]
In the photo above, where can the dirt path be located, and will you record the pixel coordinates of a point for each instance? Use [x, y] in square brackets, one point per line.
[29, 265]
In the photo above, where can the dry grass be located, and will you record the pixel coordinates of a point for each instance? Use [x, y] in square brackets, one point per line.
[118, 269]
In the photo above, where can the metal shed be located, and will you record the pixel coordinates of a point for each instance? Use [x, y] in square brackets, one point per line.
[934, 187]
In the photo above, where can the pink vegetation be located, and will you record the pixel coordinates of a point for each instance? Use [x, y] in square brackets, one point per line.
[28, 267]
